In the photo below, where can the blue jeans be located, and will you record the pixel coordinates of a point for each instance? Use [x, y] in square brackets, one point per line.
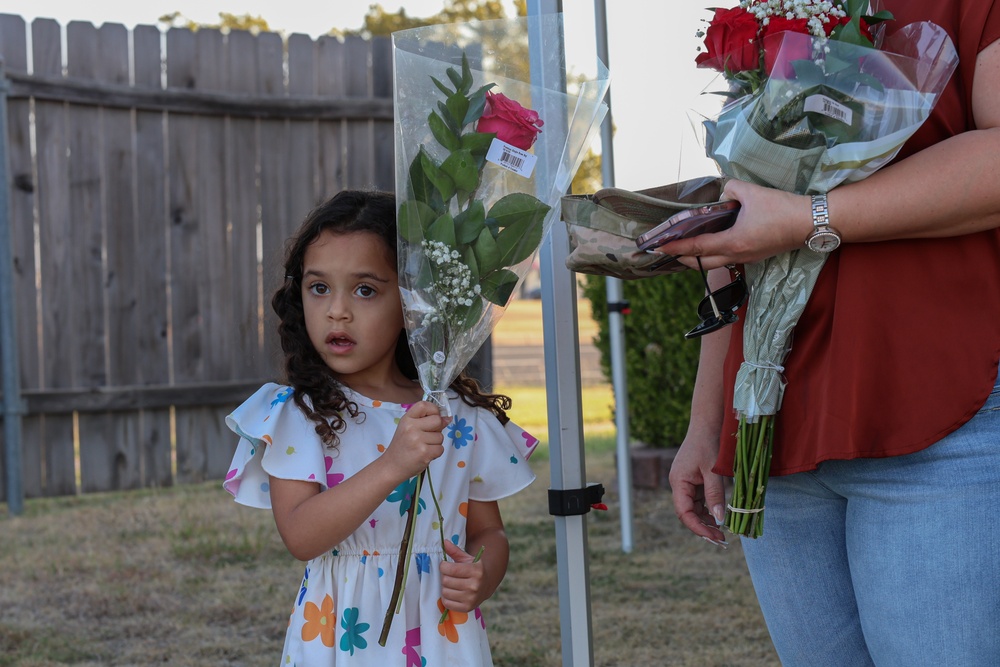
[891, 562]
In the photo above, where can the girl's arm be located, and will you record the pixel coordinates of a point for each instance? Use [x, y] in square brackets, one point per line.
[948, 189]
[312, 522]
[466, 584]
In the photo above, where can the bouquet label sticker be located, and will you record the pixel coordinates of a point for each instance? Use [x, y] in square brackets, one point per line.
[830, 108]
[511, 158]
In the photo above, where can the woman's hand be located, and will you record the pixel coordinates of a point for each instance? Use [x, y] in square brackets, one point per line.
[418, 440]
[770, 222]
[699, 495]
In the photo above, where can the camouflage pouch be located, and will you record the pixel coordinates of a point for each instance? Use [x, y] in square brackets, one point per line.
[603, 226]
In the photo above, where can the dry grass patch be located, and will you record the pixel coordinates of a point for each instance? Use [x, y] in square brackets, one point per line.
[184, 576]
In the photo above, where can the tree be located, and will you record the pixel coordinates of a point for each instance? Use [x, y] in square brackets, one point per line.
[379, 22]
[227, 22]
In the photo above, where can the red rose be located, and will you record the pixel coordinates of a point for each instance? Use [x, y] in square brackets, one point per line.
[731, 42]
[777, 46]
[511, 122]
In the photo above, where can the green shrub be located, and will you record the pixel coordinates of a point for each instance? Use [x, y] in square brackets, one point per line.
[660, 364]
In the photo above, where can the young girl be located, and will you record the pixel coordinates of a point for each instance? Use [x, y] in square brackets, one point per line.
[335, 455]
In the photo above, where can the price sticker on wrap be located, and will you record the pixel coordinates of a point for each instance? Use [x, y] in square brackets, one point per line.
[830, 108]
[511, 158]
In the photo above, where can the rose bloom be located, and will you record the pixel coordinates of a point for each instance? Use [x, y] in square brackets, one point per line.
[510, 121]
[731, 42]
[789, 50]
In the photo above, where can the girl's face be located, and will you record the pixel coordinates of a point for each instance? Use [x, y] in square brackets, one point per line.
[353, 314]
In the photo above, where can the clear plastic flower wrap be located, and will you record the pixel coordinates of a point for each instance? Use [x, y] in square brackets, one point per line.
[487, 141]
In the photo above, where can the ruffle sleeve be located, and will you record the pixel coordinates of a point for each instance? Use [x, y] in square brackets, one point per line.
[499, 461]
[275, 440]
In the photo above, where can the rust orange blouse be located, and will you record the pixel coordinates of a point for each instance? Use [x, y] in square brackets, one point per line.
[899, 343]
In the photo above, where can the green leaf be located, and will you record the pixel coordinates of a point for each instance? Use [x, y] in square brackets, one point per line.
[470, 222]
[498, 286]
[443, 230]
[421, 187]
[466, 317]
[808, 72]
[478, 142]
[487, 253]
[477, 103]
[850, 33]
[456, 78]
[448, 118]
[413, 219]
[460, 167]
[458, 105]
[520, 217]
[442, 183]
[878, 17]
[443, 133]
[469, 257]
[466, 75]
[448, 92]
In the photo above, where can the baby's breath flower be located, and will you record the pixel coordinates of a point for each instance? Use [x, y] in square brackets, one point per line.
[454, 281]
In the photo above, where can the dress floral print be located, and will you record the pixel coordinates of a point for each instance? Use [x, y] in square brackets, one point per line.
[338, 610]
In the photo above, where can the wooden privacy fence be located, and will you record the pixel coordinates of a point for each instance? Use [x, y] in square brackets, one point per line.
[152, 181]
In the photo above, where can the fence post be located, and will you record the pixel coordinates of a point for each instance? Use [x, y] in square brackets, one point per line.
[8, 332]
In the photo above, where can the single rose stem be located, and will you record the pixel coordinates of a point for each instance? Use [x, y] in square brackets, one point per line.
[397, 586]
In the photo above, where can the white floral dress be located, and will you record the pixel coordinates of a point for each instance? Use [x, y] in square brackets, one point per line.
[338, 611]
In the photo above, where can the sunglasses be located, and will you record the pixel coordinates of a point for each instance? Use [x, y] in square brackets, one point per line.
[718, 308]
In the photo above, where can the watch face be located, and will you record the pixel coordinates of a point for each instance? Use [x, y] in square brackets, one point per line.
[824, 241]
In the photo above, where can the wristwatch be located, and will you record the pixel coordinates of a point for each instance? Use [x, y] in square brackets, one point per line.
[823, 238]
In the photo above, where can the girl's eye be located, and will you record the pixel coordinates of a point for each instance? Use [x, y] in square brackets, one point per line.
[365, 291]
[319, 289]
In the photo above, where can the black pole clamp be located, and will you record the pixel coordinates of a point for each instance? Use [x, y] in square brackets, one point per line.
[622, 307]
[572, 502]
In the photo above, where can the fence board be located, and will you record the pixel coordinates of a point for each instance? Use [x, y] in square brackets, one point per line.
[360, 171]
[55, 436]
[243, 328]
[382, 130]
[13, 50]
[85, 303]
[150, 252]
[330, 66]
[287, 172]
[198, 251]
[124, 456]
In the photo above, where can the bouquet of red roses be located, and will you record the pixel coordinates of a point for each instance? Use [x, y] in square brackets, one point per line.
[816, 99]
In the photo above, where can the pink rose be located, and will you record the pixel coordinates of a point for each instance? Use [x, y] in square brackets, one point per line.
[797, 46]
[511, 122]
[731, 42]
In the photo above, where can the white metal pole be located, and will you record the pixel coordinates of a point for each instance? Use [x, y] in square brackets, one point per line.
[562, 385]
[616, 324]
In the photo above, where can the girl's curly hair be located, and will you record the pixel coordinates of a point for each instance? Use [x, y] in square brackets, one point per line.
[317, 392]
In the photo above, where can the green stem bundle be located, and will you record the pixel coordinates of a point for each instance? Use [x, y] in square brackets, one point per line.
[751, 467]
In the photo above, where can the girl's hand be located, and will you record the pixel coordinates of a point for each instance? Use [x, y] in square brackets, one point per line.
[463, 580]
[770, 222]
[418, 440]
